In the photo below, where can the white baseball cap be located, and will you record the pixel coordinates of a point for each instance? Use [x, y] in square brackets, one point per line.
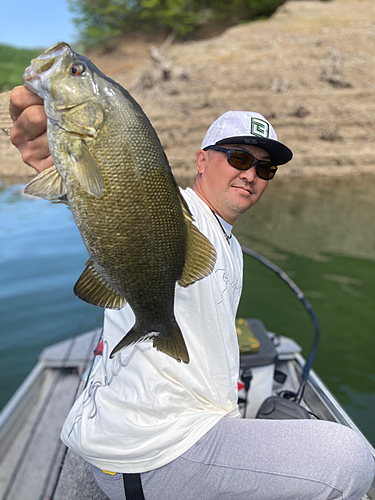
[246, 127]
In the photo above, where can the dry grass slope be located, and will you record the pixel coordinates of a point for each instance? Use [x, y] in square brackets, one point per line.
[309, 69]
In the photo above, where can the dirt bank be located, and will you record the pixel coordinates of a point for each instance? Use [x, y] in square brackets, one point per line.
[309, 69]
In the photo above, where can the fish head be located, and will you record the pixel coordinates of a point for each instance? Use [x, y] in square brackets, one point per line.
[63, 78]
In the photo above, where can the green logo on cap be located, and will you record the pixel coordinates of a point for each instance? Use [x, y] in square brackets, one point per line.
[259, 127]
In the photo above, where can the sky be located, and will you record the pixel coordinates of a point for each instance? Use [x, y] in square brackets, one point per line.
[35, 23]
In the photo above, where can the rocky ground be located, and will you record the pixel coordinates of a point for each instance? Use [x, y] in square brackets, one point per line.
[309, 69]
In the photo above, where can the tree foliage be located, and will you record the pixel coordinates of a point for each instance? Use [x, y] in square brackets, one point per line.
[102, 20]
[13, 62]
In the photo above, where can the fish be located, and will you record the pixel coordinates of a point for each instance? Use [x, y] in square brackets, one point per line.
[112, 172]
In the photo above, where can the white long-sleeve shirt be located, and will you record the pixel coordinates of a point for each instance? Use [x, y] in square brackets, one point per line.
[142, 409]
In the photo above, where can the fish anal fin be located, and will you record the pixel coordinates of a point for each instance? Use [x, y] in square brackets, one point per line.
[200, 255]
[92, 288]
[47, 185]
[86, 170]
[172, 344]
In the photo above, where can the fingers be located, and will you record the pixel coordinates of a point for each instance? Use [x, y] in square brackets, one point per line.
[20, 99]
[29, 125]
[28, 133]
[36, 152]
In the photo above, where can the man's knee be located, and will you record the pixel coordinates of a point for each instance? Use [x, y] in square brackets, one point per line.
[358, 462]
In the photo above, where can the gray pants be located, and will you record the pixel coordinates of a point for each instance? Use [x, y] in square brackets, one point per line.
[261, 460]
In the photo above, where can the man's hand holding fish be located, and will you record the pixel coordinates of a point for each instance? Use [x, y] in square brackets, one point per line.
[29, 132]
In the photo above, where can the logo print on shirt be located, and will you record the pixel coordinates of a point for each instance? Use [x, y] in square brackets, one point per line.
[223, 277]
[116, 365]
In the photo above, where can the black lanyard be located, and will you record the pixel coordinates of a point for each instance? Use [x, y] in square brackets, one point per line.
[227, 236]
[133, 486]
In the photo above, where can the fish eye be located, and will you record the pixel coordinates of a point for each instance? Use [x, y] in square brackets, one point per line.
[77, 69]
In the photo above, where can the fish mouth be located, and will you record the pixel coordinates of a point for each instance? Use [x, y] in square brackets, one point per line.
[40, 68]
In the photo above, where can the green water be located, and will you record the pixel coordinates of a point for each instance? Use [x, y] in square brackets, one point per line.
[321, 231]
[41, 257]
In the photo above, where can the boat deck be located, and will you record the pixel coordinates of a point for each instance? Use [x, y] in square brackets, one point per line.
[36, 465]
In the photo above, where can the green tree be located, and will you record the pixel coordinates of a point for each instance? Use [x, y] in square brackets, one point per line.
[13, 62]
[101, 20]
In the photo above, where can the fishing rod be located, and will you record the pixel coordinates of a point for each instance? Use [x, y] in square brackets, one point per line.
[300, 296]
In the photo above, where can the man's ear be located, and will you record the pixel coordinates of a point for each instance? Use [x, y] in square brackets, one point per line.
[201, 159]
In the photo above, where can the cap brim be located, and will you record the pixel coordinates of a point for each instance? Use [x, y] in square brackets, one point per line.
[280, 154]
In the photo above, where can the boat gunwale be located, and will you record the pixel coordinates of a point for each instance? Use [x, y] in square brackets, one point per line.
[15, 412]
[317, 388]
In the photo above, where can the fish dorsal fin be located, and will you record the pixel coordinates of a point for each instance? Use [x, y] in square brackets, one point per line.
[92, 288]
[86, 170]
[47, 185]
[200, 255]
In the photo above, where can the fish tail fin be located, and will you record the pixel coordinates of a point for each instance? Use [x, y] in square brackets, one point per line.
[172, 344]
[136, 334]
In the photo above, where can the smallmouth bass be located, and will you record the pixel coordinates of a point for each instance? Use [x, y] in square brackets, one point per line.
[111, 170]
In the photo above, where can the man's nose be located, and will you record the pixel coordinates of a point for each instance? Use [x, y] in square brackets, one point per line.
[248, 175]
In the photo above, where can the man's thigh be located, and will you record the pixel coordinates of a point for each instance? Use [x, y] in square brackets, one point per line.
[267, 460]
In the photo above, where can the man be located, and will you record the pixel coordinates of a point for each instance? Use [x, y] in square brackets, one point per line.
[177, 424]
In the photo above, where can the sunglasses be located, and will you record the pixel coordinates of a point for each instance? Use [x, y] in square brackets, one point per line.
[242, 160]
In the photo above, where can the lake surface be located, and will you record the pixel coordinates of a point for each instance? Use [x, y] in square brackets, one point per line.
[41, 257]
[321, 231]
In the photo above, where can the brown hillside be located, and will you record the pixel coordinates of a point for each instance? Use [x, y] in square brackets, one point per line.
[309, 69]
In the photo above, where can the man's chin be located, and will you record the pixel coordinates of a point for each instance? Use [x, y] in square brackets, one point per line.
[240, 208]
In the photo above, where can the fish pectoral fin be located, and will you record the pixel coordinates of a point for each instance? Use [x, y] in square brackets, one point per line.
[47, 185]
[172, 344]
[86, 170]
[92, 288]
[63, 200]
[200, 255]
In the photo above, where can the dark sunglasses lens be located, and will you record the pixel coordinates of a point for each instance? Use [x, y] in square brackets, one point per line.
[266, 171]
[241, 160]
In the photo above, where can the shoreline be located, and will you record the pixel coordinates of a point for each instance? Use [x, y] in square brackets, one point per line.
[188, 180]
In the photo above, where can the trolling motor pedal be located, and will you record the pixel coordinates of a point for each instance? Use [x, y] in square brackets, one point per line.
[278, 408]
